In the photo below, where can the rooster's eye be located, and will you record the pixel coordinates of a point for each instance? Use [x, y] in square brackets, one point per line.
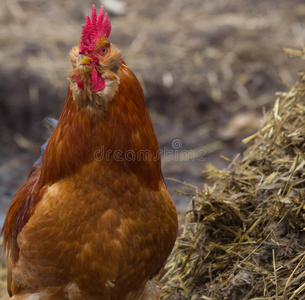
[103, 50]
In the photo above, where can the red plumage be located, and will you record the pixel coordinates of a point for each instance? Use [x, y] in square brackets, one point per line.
[93, 222]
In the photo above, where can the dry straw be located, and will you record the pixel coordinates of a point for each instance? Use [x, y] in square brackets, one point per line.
[244, 237]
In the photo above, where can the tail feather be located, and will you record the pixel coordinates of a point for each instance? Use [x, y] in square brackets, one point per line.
[51, 123]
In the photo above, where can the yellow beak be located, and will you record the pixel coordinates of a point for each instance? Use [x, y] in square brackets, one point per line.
[83, 60]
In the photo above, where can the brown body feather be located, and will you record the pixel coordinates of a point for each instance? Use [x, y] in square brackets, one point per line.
[95, 220]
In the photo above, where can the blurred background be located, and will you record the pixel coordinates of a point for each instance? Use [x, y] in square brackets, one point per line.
[209, 68]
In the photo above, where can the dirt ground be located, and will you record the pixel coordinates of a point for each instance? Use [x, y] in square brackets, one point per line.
[208, 69]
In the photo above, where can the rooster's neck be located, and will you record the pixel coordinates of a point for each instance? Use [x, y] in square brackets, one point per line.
[124, 138]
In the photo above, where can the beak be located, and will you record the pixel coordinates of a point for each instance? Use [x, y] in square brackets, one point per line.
[83, 60]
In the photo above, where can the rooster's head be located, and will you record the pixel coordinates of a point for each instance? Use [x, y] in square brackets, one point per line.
[94, 80]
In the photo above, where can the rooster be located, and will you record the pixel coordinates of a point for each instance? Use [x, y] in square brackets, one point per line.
[94, 219]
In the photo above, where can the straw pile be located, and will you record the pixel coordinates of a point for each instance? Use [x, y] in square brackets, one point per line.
[244, 237]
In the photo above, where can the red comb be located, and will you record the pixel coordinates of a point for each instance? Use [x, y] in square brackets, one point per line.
[93, 29]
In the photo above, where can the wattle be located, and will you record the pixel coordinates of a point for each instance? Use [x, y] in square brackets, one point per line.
[97, 82]
[79, 83]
